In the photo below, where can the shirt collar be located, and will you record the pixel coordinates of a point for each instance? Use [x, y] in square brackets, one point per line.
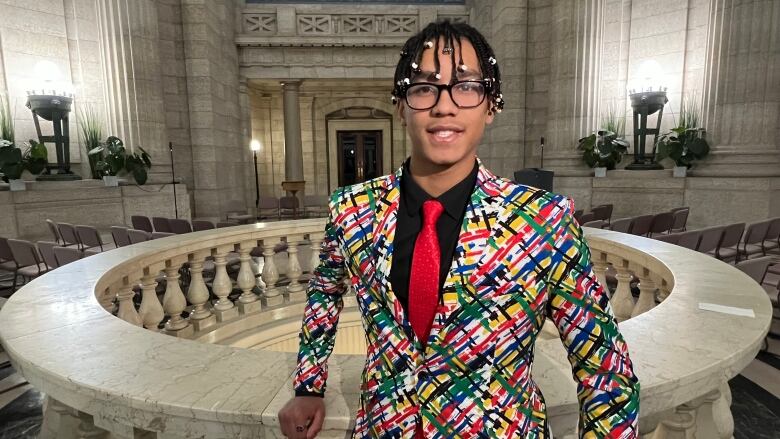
[454, 200]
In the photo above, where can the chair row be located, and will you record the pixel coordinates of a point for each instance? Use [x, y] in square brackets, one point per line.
[176, 226]
[732, 242]
[27, 260]
[601, 212]
[650, 225]
[82, 237]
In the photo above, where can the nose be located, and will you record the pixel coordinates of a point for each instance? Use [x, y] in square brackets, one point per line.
[445, 106]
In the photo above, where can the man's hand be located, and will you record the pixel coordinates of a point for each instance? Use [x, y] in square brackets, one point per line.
[302, 417]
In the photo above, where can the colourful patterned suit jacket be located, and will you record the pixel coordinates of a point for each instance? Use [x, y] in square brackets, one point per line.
[520, 258]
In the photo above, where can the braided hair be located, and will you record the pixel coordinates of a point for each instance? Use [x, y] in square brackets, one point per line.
[428, 38]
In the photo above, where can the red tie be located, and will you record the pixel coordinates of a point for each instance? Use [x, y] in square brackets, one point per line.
[424, 277]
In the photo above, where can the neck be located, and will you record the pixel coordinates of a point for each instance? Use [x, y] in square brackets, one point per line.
[438, 179]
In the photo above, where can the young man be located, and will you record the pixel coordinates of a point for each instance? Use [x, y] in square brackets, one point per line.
[455, 271]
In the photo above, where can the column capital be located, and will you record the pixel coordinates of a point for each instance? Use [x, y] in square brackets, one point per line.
[291, 84]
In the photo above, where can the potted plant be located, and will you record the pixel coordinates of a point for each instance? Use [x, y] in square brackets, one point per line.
[91, 132]
[113, 159]
[604, 149]
[11, 165]
[685, 143]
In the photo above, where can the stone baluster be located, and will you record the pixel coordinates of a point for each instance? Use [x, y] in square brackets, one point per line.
[222, 286]
[295, 291]
[713, 414]
[600, 266]
[127, 311]
[59, 420]
[87, 428]
[248, 301]
[174, 301]
[270, 275]
[622, 301]
[664, 291]
[647, 289]
[151, 311]
[678, 426]
[316, 245]
[201, 316]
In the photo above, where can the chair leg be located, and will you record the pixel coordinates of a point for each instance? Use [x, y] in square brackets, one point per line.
[13, 286]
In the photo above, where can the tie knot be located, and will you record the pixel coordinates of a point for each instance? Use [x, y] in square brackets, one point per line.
[432, 210]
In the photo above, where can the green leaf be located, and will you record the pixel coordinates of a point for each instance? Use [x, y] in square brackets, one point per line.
[36, 165]
[97, 150]
[140, 175]
[699, 148]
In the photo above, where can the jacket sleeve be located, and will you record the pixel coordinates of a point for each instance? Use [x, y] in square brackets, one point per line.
[321, 315]
[607, 388]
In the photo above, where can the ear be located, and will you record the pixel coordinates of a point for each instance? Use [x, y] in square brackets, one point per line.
[490, 116]
[399, 109]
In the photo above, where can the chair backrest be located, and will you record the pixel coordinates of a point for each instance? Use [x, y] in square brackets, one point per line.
[141, 222]
[732, 234]
[756, 268]
[47, 253]
[235, 206]
[773, 232]
[689, 239]
[198, 225]
[179, 225]
[55, 231]
[68, 233]
[137, 236]
[671, 238]
[119, 233]
[222, 224]
[5, 250]
[756, 232]
[710, 237]
[578, 215]
[641, 226]
[268, 203]
[603, 212]
[315, 200]
[288, 202]
[25, 253]
[88, 236]
[623, 225]
[675, 209]
[662, 222]
[66, 255]
[596, 224]
[161, 224]
[158, 235]
[587, 217]
[680, 218]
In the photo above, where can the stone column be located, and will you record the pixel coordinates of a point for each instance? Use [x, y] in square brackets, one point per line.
[293, 149]
[574, 74]
[129, 41]
[742, 90]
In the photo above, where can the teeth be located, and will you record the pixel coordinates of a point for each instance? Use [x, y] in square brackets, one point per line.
[444, 133]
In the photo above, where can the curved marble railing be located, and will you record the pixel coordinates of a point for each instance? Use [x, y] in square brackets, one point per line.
[104, 375]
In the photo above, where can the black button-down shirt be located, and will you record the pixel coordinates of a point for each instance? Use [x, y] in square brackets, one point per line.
[409, 224]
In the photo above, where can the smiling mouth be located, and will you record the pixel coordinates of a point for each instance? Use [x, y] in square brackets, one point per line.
[445, 135]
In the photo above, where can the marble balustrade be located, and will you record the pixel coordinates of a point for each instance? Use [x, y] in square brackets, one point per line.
[175, 365]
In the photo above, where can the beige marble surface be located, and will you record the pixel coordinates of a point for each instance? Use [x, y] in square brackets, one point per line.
[68, 346]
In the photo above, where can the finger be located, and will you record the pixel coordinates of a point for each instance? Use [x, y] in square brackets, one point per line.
[316, 424]
[295, 431]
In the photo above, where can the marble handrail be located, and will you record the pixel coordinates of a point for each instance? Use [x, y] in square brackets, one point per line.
[118, 377]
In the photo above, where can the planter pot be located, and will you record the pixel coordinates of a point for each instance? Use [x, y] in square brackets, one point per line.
[110, 180]
[680, 171]
[16, 185]
[599, 172]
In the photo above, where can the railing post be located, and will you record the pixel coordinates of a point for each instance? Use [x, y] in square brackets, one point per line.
[316, 245]
[222, 286]
[270, 275]
[127, 311]
[622, 301]
[295, 290]
[151, 311]
[248, 301]
[174, 301]
[201, 316]
[647, 288]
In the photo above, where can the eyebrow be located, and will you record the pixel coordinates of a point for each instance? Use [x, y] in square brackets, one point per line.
[469, 74]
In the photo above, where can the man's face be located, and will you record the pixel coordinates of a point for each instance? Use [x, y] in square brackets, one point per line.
[446, 135]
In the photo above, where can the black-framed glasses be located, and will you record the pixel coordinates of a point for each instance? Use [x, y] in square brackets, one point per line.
[465, 94]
